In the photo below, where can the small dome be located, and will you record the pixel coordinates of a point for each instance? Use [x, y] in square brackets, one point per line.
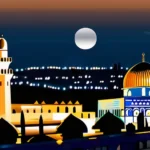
[72, 123]
[138, 75]
[108, 122]
[3, 44]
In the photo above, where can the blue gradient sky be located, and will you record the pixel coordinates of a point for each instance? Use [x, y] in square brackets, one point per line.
[46, 37]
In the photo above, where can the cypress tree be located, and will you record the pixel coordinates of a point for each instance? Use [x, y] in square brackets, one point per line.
[41, 131]
[22, 123]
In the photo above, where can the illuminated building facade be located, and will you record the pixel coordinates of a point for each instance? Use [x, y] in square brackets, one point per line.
[115, 106]
[52, 112]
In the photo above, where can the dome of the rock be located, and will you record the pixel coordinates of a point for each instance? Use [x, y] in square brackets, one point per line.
[138, 75]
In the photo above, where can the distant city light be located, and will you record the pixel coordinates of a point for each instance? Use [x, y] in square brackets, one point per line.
[64, 88]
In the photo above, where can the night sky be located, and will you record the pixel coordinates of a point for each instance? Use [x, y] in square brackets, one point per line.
[41, 32]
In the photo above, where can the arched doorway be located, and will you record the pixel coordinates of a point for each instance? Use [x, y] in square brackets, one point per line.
[136, 112]
[66, 109]
[57, 109]
[142, 110]
[14, 111]
[74, 109]
[129, 112]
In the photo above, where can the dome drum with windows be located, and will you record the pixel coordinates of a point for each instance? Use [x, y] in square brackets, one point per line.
[138, 75]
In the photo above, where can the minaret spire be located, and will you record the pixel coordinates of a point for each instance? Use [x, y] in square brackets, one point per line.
[143, 57]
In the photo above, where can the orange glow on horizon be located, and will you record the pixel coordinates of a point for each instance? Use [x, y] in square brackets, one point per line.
[75, 4]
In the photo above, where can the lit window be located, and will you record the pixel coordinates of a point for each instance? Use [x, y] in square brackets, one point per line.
[57, 109]
[74, 109]
[143, 92]
[66, 110]
[129, 93]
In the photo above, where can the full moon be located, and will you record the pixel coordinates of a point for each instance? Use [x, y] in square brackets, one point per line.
[85, 38]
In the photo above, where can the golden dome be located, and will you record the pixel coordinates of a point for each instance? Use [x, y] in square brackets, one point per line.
[138, 75]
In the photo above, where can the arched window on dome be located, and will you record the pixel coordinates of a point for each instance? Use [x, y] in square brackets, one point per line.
[129, 93]
[149, 93]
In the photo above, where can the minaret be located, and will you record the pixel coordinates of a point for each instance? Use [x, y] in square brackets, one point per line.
[143, 57]
[5, 84]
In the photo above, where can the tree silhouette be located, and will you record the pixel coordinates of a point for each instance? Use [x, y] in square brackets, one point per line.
[8, 132]
[22, 123]
[72, 127]
[140, 122]
[41, 131]
[41, 137]
[130, 128]
[109, 124]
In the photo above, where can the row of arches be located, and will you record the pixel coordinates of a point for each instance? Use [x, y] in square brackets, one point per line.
[4, 59]
[5, 71]
[49, 111]
[67, 109]
[135, 112]
[27, 111]
[116, 112]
